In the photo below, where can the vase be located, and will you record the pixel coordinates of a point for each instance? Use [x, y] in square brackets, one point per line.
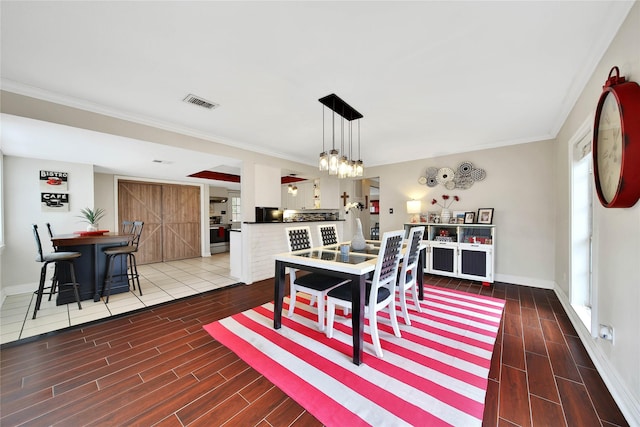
[92, 227]
[357, 242]
[445, 216]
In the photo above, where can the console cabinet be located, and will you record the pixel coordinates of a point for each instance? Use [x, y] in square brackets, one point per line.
[459, 250]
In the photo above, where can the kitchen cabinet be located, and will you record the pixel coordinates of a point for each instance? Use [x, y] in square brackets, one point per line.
[304, 199]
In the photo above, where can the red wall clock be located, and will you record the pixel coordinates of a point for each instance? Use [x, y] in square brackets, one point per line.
[616, 142]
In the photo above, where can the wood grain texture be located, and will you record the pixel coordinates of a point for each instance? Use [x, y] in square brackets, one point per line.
[159, 367]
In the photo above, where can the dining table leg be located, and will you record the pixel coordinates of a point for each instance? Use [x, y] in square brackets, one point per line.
[278, 298]
[358, 295]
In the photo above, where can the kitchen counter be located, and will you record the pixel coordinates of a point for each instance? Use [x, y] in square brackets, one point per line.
[261, 241]
[295, 222]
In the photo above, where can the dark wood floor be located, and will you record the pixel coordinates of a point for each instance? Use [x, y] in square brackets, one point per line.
[159, 367]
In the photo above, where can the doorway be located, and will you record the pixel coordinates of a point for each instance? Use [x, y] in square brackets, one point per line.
[367, 192]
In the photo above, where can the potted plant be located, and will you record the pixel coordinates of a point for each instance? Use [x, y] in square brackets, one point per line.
[92, 216]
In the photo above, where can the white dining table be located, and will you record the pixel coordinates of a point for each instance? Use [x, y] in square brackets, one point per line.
[354, 266]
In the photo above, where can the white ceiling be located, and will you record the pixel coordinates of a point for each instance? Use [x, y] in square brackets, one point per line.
[431, 78]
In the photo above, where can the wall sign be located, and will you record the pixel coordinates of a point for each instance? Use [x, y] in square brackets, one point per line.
[54, 202]
[54, 181]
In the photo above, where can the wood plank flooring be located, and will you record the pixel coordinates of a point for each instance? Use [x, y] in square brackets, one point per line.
[159, 367]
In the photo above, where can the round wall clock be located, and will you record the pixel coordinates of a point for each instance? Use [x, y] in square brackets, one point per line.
[616, 143]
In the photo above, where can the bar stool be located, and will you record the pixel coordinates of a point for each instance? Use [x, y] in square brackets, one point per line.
[54, 278]
[135, 229]
[54, 257]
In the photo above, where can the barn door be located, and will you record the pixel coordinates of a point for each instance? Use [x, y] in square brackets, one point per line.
[181, 221]
[143, 202]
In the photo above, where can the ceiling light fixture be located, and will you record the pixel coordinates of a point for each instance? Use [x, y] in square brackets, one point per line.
[333, 163]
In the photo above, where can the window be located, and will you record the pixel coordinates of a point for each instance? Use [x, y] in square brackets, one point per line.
[236, 211]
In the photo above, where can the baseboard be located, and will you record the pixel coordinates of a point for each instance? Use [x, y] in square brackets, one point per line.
[24, 288]
[525, 281]
[628, 404]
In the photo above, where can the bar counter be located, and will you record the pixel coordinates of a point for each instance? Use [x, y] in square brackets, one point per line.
[90, 268]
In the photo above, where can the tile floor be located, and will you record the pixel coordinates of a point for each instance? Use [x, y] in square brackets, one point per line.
[160, 282]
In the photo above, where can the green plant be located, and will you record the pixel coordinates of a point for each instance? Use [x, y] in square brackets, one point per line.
[91, 216]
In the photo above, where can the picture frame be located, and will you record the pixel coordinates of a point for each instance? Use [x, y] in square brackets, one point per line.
[485, 216]
[469, 217]
[459, 216]
[431, 216]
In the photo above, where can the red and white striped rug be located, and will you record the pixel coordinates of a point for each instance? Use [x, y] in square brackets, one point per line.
[436, 374]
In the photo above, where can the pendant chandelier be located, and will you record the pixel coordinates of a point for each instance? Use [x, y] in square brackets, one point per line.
[342, 166]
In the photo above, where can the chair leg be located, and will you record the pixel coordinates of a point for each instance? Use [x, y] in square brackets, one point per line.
[74, 283]
[133, 265]
[321, 312]
[403, 304]
[292, 298]
[54, 281]
[373, 327]
[394, 318]
[331, 314]
[416, 302]
[106, 288]
[40, 291]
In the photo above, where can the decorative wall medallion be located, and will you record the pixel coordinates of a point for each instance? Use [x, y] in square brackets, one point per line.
[444, 175]
[462, 177]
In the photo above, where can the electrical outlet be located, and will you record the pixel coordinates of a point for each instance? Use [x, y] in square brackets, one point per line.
[605, 332]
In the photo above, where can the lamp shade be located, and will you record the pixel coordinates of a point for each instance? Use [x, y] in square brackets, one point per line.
[413, 206]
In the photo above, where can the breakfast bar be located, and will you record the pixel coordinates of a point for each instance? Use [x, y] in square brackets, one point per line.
[90, 267]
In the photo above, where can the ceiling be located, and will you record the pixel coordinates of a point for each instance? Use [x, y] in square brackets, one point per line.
[431, 78]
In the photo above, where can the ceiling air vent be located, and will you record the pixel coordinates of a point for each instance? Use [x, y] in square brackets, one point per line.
[196, 100]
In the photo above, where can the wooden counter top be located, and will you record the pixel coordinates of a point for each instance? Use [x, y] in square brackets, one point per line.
[76, 239]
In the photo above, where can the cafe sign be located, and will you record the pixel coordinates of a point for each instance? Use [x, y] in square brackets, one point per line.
[54, 181]
[54, 202]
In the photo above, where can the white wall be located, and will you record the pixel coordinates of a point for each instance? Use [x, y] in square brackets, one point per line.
[267, 186]
[104, 198]
[20, 271]
[616, 240]
[519, 186]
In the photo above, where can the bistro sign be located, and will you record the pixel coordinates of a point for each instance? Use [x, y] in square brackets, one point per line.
[54, 181]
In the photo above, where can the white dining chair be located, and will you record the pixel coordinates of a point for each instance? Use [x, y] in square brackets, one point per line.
[407, 278]
[315, 284]
[380, 292]
[328, 234]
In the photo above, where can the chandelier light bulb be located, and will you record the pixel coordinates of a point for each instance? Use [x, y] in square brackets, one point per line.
[333, 162]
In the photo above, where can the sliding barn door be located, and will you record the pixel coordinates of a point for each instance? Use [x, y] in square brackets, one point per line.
[181, 221]
[171, 215]
[139, 201]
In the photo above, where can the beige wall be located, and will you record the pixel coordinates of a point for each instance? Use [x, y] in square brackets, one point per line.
[20, 271]
[519, 186]
[616, 237]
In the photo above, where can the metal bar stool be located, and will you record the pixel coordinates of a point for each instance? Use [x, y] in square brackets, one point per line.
[135, 229]
[54, 257]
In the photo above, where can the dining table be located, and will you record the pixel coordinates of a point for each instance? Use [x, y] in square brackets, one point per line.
[354, 265]
[90, 267]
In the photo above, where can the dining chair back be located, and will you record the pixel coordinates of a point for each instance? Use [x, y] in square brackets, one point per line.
[407, 278]
[56, 258]
[328, 234]
[380, 292]
[298, 238]
[134, 228]
[315, 284]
